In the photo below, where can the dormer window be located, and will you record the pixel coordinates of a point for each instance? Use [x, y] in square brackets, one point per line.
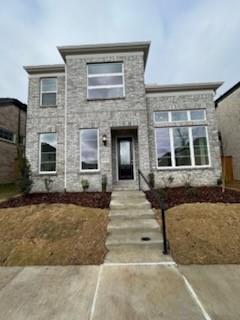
[48, 92]
[105, 80]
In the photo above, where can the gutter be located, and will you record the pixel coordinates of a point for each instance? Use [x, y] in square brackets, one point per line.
[65, 133]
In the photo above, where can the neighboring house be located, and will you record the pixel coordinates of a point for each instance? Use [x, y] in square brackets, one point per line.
[12, 133]
[228, 117]
[94, 117]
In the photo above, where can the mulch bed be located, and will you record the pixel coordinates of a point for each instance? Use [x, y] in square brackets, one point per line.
[85, 199]
[181, 195]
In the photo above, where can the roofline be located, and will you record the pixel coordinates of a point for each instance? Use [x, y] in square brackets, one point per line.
[227, 93]
[183, 87]
[106, 48]
[16, 102]
[47, 68]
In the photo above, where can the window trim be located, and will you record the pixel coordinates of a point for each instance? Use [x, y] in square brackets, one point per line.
[106, 86]
[40, 155]
[173, 166]
[98, 152]
[51, 91]
[178, 121]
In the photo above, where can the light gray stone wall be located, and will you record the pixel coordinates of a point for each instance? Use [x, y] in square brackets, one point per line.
[134, 111]
[228, 116]
[195, 176]
[104, 115]
[43, 120]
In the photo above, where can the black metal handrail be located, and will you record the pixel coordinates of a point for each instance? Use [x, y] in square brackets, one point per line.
[161, 205]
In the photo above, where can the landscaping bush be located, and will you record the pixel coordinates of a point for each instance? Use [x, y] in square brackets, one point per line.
[24, 182]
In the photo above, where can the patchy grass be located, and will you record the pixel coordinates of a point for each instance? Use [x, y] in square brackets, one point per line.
[55, 234]
[204, 233]
[7, 191]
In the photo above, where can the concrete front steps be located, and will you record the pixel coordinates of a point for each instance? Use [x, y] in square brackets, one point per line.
[134, 236]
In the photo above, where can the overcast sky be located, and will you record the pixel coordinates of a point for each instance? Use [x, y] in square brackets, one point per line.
[192, 40]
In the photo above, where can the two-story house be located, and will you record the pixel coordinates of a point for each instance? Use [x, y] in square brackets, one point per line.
[12, 133]
[94, 117]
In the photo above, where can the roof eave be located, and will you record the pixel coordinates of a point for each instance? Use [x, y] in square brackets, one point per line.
[227, 93]
[183, 87]
[106, 48]
[38, 69]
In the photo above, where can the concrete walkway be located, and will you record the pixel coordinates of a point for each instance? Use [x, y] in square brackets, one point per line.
[120, 292]
[133, 232]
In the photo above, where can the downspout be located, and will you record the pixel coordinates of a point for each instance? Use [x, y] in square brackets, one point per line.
[65, 133]
[19, 120]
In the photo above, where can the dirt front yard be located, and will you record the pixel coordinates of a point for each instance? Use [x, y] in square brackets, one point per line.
[204, 233]
[52, 234]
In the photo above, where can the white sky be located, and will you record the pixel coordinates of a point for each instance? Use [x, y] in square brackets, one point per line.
[192, 40]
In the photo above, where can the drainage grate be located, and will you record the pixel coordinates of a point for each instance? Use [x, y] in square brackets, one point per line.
[145, 239]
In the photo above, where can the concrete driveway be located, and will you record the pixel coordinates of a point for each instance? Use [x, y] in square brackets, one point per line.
[120, 292]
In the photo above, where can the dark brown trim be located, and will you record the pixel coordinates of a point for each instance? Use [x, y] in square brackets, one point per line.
[227, 93]
[9, 101]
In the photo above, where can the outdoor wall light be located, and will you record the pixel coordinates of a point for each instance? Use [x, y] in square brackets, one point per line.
[104, 140]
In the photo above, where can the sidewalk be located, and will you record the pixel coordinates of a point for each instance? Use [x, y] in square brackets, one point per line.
[120, 292]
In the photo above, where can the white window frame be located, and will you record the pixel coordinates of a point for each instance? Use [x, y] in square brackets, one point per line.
[98, 151]
[178, 121]
[96, 75]
[40, 155]
[193, 165]
[51, 91]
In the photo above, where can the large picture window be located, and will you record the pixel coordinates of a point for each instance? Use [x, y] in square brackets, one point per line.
[89, 150]
[105, 80]
[48, 92]
[182, 147]
[47, 152]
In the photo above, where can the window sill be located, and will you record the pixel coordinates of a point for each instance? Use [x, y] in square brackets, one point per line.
[105, 99]
[47, 173]
[8, 141]
[183, 168]
[50, 106]
[89, 172]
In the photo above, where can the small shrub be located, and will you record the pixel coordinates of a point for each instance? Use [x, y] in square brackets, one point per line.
[104, 183]
[151, 179]
[48, 184]
[219, 181]
[168, 181]
[162, 193]
[192, 192]
[25, 182]
[85, 184]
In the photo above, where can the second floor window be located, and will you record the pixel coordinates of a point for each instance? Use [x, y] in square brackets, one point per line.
[105, 80]
[7, 135]
[48, 92]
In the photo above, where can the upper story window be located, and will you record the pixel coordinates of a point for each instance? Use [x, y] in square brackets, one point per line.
[48, 92]
[105, 80]
[47, 152]
[179, 115]
[7, 135]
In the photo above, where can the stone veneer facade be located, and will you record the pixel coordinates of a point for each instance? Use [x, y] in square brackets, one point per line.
[132, 114]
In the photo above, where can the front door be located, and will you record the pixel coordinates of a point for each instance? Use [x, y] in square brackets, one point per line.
[125, 158]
